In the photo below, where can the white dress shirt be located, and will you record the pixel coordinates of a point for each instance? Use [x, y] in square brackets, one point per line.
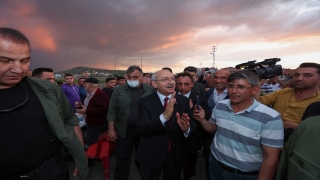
[218, 97]
[162, 119]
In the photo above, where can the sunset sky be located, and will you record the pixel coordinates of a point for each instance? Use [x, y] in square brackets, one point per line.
[165, 33]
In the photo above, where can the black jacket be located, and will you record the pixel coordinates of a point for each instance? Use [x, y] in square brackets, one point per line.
[155, 137]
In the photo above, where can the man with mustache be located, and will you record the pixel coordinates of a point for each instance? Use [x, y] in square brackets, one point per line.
[185, 83]
[164, 125]
[197, 88]
[36, 119]
[248, 135]
[291, 103]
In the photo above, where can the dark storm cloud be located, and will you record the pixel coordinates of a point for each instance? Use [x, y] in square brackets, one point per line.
[94, 33]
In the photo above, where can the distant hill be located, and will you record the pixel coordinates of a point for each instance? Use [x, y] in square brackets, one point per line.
[81, 69]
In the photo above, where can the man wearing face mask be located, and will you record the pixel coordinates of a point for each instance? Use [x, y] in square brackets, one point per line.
[123, 117]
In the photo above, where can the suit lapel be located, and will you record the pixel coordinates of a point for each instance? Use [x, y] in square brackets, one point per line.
[156, 103]
[192, 95]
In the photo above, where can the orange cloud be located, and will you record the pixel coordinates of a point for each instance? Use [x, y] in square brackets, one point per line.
[172, 40]
[42, 39]
[25, 9]
[102, 41]
[21, 8]
[2, 23]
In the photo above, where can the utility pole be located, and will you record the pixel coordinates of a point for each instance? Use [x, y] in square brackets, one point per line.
[141, 62]
[213, 55]
[115, 63]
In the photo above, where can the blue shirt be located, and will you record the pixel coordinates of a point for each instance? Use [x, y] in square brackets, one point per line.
[239, 136]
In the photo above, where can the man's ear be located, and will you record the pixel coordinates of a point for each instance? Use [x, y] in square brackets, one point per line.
[155, 84]
[255, 90]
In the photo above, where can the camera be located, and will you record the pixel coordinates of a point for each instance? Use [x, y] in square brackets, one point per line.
[265, 69]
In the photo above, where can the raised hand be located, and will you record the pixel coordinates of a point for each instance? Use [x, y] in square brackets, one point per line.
[183, 121]
[199, 115]
[169, 109]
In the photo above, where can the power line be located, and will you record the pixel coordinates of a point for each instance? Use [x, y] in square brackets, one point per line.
[233, 18]
[239, 20]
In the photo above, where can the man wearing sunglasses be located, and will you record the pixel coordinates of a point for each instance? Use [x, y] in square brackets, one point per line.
[36, 119]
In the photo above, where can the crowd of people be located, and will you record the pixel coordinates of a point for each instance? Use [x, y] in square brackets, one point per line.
[167, 118]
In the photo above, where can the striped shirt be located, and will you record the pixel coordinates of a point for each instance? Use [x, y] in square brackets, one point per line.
[239, 136]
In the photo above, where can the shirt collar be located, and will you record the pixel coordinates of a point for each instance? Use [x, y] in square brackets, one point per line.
[162, 96]
[223, 92]
[186, 95]
[91, 93]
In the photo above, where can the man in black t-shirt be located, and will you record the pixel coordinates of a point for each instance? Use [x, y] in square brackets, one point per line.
[110, 85]
[123, 117]
[36, 119]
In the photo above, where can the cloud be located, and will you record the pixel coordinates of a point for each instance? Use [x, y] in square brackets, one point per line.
[175, 33]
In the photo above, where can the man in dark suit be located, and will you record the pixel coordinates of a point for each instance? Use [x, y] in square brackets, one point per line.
[95, 109]
[197, 88]
[185, 83]
[219, 91]
[164, 125]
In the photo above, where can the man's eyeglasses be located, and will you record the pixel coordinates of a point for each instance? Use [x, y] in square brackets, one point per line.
[166, 80]
[238, 87]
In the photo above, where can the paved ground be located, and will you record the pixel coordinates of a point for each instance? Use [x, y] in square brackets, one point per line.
[96, 171]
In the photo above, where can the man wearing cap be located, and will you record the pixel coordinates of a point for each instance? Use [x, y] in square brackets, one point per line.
[95, 110]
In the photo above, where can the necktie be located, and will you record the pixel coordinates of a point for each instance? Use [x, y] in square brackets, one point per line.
[165, 106]
[165, 103]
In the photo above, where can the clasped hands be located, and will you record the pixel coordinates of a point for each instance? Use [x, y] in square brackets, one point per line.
[183, 120]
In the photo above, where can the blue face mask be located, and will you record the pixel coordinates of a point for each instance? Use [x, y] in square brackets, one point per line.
[134, 83]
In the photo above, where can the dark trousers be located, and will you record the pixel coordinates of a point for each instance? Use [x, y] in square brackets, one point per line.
[123, 152]
[170, 170]
[190, 165]
[94, 132]
[207, 152]
[216, 172]
[56, 171]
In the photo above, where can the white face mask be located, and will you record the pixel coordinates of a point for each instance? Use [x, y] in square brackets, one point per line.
[133, 84]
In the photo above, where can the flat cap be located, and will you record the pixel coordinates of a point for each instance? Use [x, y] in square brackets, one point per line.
[92, 80]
